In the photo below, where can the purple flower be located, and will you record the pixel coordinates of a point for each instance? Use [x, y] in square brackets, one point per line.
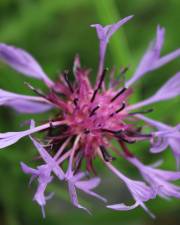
[89, 117]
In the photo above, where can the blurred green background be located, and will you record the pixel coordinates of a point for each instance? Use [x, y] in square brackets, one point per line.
[54, 31]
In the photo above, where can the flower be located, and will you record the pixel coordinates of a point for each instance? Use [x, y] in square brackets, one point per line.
[89, 117]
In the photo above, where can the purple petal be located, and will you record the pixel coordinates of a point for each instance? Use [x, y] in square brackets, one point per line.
[154, 123]
[169, 90]
[166, 59]
[43, 174]
[122, 206]
[84, 185]
[23, 103]
[139, 190]
[28, 170]
[104, 34]
[159, 145]
[159, 179]
[167, 175]
[157, 163]
[73, 196]
[175, 145]
[87, 185]
[39, 196]
[77, 177]
[163, 174]
[151, 60]
[23, 62]
[166, 135]
[9, 138]
[92, 193]
[150, 56]
[71, 180]
[24, 106]
[48, 159]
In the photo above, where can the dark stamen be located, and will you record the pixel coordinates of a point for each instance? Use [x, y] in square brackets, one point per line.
[75, 101]
[65, 75]
[118, 110]
[125, 140]
[119, 93]
[36, 91]
[121, 108]
[86, 131]
[51, 124]
[142, 112]
[141, 135]
[118, 134]
[125, 149]
[106, 156]
[99, 85]
[94, 110]
[132, 134]
[112, 131]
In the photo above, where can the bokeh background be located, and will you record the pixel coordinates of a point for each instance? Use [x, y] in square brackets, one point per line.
[54, 31]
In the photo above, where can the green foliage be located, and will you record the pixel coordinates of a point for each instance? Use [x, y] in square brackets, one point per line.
[54, 31]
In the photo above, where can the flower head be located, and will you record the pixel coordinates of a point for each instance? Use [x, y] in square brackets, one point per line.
[89, 117]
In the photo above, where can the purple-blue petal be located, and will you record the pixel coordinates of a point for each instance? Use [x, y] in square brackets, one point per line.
[23, 62]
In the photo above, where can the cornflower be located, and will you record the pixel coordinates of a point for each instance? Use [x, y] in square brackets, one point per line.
[89, 118]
